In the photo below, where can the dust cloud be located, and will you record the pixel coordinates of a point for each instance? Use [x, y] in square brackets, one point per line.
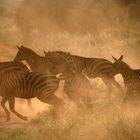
[91, 28]
[85, 27]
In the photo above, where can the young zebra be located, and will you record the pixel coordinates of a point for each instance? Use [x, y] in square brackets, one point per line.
[36, 62]
[77, 86]
[93, 67]
[131, 77]
[27, 86]
[12, 66]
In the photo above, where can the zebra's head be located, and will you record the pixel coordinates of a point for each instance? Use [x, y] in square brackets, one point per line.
[23, 53]
[63, 64]
[120, 65]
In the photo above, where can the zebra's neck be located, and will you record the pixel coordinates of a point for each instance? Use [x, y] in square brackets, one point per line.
[32, 61]
[68, 73]
[126, 74]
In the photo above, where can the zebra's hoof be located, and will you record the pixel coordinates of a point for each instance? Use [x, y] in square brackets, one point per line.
[25, 118]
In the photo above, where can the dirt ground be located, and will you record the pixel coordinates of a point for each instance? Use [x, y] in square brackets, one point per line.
[21, 107]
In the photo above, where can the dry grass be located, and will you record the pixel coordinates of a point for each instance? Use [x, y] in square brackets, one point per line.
[107, 120]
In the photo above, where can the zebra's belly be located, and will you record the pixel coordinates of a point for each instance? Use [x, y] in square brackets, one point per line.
[99, 75]
[25, 94]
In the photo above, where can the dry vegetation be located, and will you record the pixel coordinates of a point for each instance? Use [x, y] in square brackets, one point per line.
[107, 120]
[93, 29]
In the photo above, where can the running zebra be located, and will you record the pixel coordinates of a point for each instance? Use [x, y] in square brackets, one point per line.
[12, 66]
[36, 62]
[131, 77]
[27, 86]
[77, 86]
[93, 67]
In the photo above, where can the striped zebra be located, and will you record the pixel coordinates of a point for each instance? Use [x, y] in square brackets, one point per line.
[12, 66]
[27, 86]
[76, 86]
[131, 77]
[93, 67]
[35, 62]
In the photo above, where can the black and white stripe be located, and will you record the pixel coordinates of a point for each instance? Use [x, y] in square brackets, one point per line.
[76, 86]
[93, 67]
[131, 76]
[80, 62]
[27, 86]
[12, 66]
[36, 62]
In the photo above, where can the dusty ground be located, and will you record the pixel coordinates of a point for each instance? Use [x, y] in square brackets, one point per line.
[21, 107]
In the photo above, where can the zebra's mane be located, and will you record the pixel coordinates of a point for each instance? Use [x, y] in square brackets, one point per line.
[29, 51]
[68, 59]
[126, 65]
[63, 53]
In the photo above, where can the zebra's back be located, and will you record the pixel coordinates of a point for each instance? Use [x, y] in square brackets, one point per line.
[99, 68]
[13, 66]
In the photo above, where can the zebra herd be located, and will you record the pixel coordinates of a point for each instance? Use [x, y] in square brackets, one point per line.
[16, 80]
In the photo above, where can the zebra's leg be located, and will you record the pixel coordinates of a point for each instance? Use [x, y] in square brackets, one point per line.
[87, 100]
[52, 100]
[107, 82]
[128, 93]
[116, 84]
[3, 101]
[12, 108]
[77, 99]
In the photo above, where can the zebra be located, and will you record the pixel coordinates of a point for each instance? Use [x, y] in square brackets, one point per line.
[76, 86]
[35, 62]
[14, 66]
[93, 68]
[131, 76]
[27, 86]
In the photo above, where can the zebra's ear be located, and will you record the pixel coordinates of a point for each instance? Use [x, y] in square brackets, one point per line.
[121, 57]
[114, 58]
[18, 47]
